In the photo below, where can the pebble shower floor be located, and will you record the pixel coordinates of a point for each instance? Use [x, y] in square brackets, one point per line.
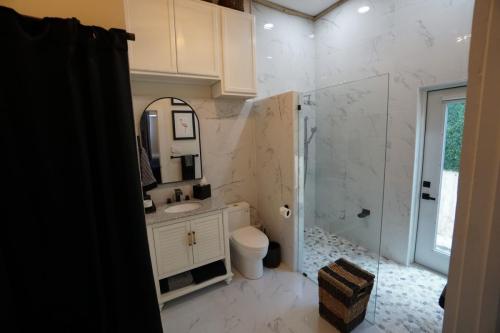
[407, 296]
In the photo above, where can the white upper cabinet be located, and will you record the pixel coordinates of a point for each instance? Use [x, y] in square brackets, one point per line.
[197, 36]
[193, 41]
[238, 54]
[152, 21]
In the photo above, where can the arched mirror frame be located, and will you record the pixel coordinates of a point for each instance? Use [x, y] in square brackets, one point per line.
[197, 137]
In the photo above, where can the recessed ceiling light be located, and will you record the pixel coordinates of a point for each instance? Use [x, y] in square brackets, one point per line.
[363, 9]
[269, 57]
[311, 36]
[268, 26]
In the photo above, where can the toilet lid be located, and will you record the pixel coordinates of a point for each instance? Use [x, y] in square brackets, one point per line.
[250, 237]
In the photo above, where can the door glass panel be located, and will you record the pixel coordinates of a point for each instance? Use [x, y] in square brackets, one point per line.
[454, 127]
[342, 133]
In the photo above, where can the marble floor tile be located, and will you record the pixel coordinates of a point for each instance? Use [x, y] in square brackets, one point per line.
[405, 299]
[280, 302]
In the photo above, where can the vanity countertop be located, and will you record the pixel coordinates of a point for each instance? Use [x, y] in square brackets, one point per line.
[160, 216]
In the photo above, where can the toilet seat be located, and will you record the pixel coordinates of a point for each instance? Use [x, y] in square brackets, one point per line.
[250, 239]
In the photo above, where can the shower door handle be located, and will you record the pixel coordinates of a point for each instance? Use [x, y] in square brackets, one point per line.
[427, 196]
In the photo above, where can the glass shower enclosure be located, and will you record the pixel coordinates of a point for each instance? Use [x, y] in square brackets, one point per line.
[342, 156]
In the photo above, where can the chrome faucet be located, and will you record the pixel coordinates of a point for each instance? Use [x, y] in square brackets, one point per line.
[178, 195]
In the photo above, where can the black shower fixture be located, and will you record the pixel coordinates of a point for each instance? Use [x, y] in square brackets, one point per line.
[364, 213]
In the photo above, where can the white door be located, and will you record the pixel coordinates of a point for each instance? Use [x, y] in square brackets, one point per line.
[197, 37]
[174, 251]
[440, 171]
[208, 239]
[152, 22]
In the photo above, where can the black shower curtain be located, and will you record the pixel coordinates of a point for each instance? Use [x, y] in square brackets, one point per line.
[73, 245]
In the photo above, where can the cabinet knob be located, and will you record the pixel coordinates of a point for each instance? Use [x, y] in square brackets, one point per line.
[190, 239]
[194, 237]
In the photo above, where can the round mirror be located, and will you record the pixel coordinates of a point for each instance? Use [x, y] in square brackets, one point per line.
[170, 137]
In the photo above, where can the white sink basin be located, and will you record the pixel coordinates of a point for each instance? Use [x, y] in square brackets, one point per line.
[183, 207]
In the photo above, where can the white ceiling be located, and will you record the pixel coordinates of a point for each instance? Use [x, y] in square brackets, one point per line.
[310, 7]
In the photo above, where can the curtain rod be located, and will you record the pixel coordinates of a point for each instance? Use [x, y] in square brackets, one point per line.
[130, 35]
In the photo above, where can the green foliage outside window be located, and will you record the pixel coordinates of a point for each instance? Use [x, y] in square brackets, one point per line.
[454, 134]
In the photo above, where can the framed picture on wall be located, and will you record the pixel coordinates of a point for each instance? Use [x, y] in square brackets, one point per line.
[183, 125]
[176, 101]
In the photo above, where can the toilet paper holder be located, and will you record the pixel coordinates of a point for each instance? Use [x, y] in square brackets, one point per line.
[285, 211]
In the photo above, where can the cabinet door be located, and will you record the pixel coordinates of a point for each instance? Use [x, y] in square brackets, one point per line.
[152, 21]
[238, 52]
[173, 250]
[197, 36]
[208, 239]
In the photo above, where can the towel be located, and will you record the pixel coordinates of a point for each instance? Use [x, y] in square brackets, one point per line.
[188, 167]
[147, 178]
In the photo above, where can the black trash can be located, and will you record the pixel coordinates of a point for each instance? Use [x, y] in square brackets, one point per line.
[273, 257]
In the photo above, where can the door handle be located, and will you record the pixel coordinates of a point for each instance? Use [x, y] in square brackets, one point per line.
[194, 237]
[427, 196]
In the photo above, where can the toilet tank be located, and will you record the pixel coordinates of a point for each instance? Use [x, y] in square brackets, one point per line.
[237, 215]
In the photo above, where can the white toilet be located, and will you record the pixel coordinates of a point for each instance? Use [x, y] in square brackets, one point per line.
[248, 244]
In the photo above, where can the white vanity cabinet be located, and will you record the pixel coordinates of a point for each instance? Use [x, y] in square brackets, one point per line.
[173, 248]
[184, 244]
[208, 239]
[238, 55]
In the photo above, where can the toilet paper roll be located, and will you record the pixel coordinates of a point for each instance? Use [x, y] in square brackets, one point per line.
[285, 212]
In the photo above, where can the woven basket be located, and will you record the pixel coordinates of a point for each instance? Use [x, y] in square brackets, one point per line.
[344, 292]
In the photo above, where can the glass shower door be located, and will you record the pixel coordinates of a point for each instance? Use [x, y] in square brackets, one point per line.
[342, 145]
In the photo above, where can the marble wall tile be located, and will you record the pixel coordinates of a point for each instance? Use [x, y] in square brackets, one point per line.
[276, 169]
[228, 126]
[416, 43]
[286, 62]
[228, 149]
[285, 54]
[350, 158]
